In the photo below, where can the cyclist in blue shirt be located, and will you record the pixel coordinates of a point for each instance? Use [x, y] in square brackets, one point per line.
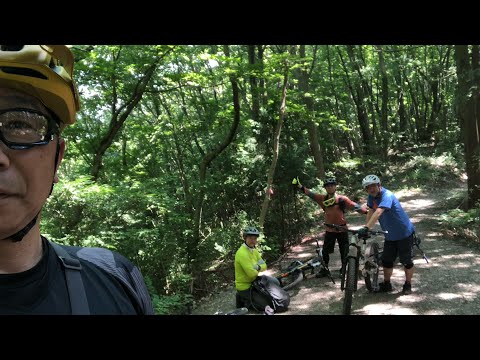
[384, 206]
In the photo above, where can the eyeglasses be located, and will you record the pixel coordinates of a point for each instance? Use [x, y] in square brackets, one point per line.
[329, 202]
[25, 128]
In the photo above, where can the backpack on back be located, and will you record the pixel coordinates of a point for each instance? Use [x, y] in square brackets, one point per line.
[132, 282]
[341, 203]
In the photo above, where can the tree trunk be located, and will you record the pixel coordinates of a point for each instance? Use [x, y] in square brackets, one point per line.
[384, 112]
[467, 101]
[358, 98]
[192, 247]
[315, 148]
[253, 84]
[402, 114]
[118, 119]
[276, 146]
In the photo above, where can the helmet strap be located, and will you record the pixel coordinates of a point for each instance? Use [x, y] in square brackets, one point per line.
[18, 236]
[56, 162]
[245, 241]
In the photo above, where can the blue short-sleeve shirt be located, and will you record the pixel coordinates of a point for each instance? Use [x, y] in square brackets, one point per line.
[394, 219]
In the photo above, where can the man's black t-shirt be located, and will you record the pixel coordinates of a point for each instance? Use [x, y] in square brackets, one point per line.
[43, 290]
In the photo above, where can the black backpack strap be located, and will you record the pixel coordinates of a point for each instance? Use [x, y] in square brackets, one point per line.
[76, 291]
[341, 203]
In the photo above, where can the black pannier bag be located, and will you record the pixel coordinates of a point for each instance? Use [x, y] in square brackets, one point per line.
[270, 287]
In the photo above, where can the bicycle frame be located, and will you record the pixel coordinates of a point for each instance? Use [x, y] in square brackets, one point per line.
[366, 258]
[361, 259]
[298, 270]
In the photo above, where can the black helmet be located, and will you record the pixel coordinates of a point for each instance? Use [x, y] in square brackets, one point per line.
[330, 180]
[251, 230]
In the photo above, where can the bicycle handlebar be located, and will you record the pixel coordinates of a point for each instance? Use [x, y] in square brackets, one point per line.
[342, 227]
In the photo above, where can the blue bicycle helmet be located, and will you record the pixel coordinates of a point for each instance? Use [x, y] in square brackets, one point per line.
[251, 230]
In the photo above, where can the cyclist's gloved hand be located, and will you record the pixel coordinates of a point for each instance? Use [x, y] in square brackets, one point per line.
[256, 267]
[296, 181]
[260, 262]
[362, 232]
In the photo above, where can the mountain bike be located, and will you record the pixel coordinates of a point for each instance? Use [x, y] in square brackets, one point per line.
[363, 260]
[298, 270]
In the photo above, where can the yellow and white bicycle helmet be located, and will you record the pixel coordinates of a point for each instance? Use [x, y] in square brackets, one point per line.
[45, 72]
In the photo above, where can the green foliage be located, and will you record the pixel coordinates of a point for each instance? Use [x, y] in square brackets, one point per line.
[429, 170]
[461, 224]
[143, 203]
[176, 304]
[126, 218]
[222, 242]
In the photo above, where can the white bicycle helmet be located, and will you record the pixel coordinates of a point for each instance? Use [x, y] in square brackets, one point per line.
[370, 179]
[45, 72]
[251, 230]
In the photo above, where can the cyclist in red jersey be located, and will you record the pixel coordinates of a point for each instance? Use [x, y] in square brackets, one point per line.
[334, 207]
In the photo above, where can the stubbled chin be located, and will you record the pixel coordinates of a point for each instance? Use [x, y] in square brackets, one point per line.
[10, 222]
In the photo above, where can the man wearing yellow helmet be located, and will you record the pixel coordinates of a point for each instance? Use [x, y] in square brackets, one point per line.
[38, 98]
[334, 207]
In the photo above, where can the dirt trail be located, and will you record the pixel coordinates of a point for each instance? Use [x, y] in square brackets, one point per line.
[448, 285]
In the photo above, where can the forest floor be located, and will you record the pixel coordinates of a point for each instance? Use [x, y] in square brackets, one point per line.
[448, 285]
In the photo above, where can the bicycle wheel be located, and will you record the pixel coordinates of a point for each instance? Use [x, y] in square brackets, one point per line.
[239, 311]
[343, 276]
[372, 267]
[291, 279]
[349, 285]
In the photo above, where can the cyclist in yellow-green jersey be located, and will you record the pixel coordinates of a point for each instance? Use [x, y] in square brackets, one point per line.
[248, 265]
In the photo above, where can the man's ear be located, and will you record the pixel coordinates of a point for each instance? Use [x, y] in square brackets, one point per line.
[61, 152]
